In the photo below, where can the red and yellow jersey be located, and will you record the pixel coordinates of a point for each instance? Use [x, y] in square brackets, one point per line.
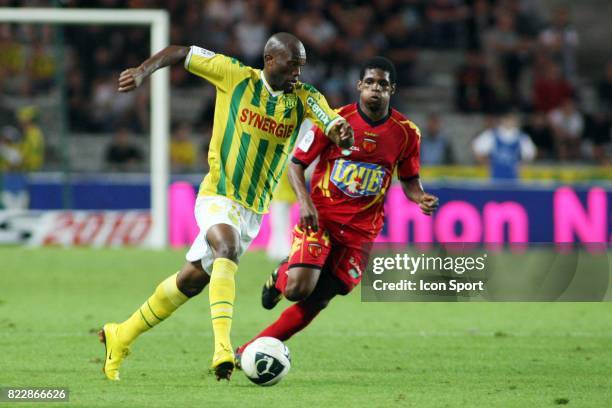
[348, 186]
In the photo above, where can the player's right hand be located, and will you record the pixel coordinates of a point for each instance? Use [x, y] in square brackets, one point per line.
[309, 217]
[130, 79]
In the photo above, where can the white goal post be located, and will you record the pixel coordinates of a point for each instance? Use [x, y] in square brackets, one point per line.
[158, 21]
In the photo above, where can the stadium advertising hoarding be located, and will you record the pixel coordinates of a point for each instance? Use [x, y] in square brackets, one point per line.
[504, 214]
[468, 213]
[76, 228]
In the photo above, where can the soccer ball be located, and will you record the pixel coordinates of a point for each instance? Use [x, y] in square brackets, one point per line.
[265, 361]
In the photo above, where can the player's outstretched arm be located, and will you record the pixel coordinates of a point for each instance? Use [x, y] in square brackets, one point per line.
[309, 217]
[131, 78]
[341, 133]
[413, 189]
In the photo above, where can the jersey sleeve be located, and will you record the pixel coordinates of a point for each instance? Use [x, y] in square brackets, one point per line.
[310, 147]
[483, 144]
[318, 110]
[528, 148]
[218, 69]
[410, 162]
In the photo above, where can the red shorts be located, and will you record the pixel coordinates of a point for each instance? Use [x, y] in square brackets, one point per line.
[318, 251]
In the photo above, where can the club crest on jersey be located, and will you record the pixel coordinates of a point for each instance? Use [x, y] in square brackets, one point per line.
[357, 179]
[369, 145]
[290, 101]
[315, 250]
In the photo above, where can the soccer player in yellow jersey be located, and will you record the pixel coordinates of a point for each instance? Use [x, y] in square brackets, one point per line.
[257, 117]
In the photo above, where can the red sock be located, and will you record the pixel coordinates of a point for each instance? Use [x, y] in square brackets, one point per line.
[291, 321]
[281, 280]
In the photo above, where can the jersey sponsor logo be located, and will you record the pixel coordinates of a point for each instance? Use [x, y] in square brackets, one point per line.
[266, 124]
[307, 141]
[357, 179]
[318, 111]
[369, 145]
[202, 52]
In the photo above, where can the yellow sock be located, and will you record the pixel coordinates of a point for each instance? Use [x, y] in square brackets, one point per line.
[222, 293]
[165, 300]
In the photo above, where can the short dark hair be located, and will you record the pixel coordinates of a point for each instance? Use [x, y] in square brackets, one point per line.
[381, 63]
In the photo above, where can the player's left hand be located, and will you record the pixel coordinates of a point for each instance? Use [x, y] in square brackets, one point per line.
[428, 203]
[309, 216]
[341, 133]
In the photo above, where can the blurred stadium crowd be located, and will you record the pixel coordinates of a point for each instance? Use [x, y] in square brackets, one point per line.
[512, 54]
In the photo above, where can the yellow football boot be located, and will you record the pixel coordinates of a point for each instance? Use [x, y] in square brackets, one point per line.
[223, 363]
[115, 350]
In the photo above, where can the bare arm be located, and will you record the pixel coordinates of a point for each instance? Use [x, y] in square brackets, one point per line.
[413, 190]
[309, 218]
[131, 78]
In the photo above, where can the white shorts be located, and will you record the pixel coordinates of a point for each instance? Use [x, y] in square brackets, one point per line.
[213, 210]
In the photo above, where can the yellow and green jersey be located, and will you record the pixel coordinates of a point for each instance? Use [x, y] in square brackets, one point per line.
[254, 130]
[32, 149]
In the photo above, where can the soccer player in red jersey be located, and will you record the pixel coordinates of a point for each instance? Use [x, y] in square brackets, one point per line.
[343, 213]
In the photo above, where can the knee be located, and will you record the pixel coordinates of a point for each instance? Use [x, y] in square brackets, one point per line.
[296, 291]
[320, 304]
[191, 280]
[228, 250]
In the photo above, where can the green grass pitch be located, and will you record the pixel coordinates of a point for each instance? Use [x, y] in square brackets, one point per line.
[52, 301]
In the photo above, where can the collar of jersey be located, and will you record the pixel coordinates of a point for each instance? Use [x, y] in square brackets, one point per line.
[371, 122]
[268, 87]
